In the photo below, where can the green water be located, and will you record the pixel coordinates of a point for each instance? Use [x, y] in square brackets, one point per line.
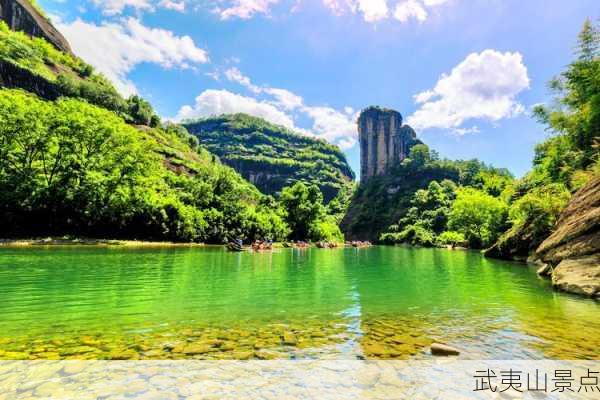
[382, 302]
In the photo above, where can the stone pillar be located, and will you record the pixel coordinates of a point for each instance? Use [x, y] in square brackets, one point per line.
[384, 141]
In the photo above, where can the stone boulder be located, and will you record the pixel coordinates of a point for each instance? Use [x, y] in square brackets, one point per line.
[20, 15]
[573, 249]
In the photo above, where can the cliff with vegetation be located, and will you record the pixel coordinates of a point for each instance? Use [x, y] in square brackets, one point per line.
[27, 17]
[77, 159]
[572, 251]
[407, 190]
[272, 157]
[564, 163]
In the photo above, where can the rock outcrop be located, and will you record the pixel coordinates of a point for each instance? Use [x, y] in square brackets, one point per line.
[20, 15]
[573, 249]
[384, 141]
[13, 76]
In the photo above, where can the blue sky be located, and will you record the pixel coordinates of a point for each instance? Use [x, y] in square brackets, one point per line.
[463, 73]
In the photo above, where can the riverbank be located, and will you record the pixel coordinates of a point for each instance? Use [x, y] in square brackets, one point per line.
[90, 242]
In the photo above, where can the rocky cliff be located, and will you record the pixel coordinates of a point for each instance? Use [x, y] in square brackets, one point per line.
[384, 141]
[21, 15]
[572, 252]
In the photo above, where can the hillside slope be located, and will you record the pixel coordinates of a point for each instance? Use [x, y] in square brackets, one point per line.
[272, 157]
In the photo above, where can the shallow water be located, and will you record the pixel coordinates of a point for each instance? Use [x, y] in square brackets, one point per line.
[207, 303]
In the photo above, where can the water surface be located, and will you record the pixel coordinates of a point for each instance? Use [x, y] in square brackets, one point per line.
[207, 303]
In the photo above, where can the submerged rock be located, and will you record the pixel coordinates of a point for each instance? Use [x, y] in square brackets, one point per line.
[438, 349]
[545, 270]
[573, 249]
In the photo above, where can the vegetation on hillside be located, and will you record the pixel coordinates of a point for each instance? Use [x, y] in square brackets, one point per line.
[68, 167]
[69, 75]
[566, 160]
[72, 168]
[272, 157]
[412, 203]
[486, 207]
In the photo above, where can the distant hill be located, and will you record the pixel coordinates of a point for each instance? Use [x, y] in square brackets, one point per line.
[271, 156]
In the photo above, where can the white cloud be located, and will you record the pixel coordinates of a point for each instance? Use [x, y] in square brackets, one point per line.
[410, 9]
[217, 102]
[245, 9]
[377, 10]
[373, 10]
[173, 5]
[285, 98]
[279, 106]
[332, 125]
[115, 49]
[433, 3]
[115, 7]
[483, 86]
[233, 74]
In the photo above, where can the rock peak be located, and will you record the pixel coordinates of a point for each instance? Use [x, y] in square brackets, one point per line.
[21, 15]
[384, 140]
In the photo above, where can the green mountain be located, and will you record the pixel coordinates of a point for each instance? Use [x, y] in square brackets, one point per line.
[78, 159]
[271, 156]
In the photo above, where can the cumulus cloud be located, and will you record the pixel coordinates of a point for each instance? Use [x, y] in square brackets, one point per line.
[115, 7]
[244, 9]
[233, 74]
[483, 86]
[410, 9]
[217, 102]
[116, 48]
[373, 10]
[377, 10]
[279, 106]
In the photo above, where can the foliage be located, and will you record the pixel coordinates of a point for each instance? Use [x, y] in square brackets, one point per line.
[306, 214]
[477, 215]
[271, 156]
[408, 198]
[71, 76]
[566, 160]
[140, 111]
[539, 208]
[451, 238]
[574, 117]
[68, 167]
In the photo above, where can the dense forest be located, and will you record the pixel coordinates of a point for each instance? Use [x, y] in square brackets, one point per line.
[272, 157]
[480, 207]
[78, 159]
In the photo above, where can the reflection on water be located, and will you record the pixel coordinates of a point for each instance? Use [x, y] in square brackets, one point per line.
[206, 303]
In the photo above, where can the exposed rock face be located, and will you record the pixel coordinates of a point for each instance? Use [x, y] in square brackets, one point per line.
[12, 76]
[384, 141]
[573, 249]
[20, 15]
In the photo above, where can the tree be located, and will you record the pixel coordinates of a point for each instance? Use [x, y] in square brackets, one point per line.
[304, 206]
[140, 111]
[575, 116]
[478, 216]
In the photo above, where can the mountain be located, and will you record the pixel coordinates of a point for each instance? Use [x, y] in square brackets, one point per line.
[396, 168]
[26, 16]
[78, 159]
[271, 156]
[35, 57]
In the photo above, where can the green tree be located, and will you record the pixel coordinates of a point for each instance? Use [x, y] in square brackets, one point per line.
[304, 206]
[140, 111]
[575, 116]
[478, 216]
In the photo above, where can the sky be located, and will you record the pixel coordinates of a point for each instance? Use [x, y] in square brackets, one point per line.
[464, 74]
